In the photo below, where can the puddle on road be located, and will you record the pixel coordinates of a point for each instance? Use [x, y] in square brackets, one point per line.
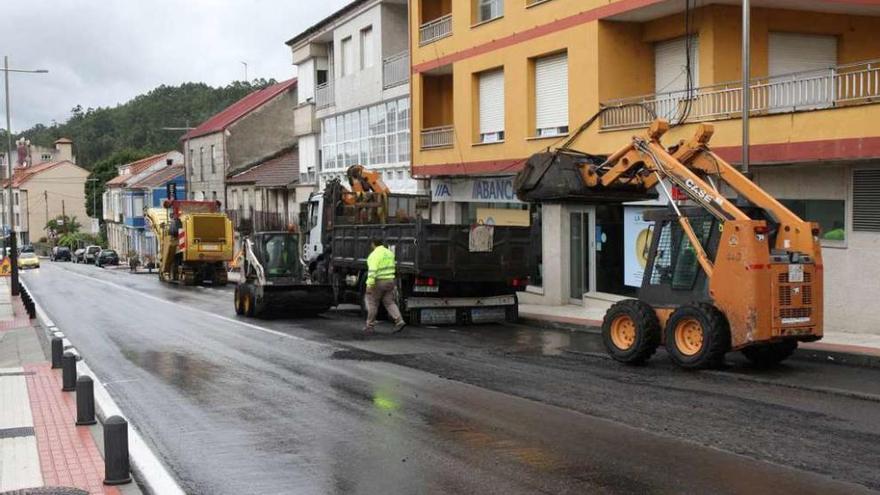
[175, 367]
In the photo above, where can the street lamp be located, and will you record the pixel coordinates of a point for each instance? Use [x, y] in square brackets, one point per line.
[13, 248]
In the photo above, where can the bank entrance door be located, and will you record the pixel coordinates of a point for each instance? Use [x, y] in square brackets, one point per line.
[582, 252]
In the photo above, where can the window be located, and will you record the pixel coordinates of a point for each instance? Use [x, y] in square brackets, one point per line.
[551, 95]
[347, 57]
[830, 214]
[214, 195]
[202, 162]
[866, 200]
[489, 9]
[377, 135]
[137, 206]
[810, 56]
[491, 108]
[676, 74]
[366, 47]
[192, 164]
[213, 169]
[15, 198]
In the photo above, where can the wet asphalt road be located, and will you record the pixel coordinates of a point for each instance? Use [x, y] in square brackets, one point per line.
[298, 406]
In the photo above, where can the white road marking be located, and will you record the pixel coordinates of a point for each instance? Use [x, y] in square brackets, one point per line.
[200, 311]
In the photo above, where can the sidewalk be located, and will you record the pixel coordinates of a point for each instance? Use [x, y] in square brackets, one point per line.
[855, 348]
[39, 444]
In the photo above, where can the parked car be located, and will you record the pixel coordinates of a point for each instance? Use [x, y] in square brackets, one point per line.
[28, 260]
[27, 248]
[106, 257]
[61, 253]
[79, 256]
[91, 254]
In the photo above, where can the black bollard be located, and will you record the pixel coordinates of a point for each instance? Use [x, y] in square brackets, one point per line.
[116, 467]
[85, 401]
[57, 352]
[68, 372]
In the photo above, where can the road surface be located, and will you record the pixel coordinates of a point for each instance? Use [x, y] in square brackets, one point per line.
[235, 405]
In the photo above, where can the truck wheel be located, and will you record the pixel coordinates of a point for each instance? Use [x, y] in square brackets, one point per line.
[247, 301]
[768, 355]
[237, 300]
[697, 336]
[631, 331]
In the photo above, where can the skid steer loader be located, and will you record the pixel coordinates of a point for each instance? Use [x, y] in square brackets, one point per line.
[721, 275]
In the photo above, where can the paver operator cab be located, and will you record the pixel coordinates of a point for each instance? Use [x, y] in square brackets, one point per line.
[722, 274]
[445, 274]
[195, 241]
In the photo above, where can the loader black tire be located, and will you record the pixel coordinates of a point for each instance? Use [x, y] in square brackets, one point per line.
[769, 355]
[697, 336]
[239, 310]
[248, 301]
[631, 331]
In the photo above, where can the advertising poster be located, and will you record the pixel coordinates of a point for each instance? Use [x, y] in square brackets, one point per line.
[637, 240]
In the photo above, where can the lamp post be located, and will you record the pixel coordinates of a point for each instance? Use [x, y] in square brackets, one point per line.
[13, 248]
[746, 91]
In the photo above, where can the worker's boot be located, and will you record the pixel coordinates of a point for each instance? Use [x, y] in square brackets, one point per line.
[399, 325]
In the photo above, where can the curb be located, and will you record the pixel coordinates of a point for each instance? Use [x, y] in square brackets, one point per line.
[149, 472]
[816, 352]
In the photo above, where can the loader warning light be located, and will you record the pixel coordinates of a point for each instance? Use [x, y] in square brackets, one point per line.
[678, 194]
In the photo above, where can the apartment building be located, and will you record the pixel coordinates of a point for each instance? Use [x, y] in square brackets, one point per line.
[44, 190]
[494, 81]
[353, 103]
[258, 125]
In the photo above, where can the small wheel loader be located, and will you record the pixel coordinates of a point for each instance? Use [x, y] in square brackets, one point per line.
[722, 274]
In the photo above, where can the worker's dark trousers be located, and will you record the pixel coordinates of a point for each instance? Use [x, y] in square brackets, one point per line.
[381, 293]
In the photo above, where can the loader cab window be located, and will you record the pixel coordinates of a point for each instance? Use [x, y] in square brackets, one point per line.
[280, 253]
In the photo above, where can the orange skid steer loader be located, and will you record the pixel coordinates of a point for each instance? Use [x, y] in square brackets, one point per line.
[722, 274]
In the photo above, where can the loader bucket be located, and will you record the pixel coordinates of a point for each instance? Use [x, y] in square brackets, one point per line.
[556, 176]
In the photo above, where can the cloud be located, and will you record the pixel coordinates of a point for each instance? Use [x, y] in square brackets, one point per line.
[105, 52]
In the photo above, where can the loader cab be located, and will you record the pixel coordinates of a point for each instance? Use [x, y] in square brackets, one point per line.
[279, 254]
[673, 275]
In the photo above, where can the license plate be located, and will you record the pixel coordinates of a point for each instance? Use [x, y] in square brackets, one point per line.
[209, 247]
[437, 316]
[482, 315]
[426, 288]
[795, 273]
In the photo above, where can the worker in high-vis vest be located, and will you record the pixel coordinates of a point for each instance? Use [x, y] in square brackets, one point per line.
[381, 287]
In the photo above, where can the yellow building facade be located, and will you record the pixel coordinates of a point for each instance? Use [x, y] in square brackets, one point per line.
[814, 139]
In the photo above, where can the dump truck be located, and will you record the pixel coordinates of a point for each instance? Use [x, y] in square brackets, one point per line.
[446, 274]
[195, 241]
[274, 280]
[722, 274]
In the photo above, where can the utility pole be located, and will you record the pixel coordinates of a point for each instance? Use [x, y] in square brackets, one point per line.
[46, 201]
[746, 91]
[13, 248]
[245, 70]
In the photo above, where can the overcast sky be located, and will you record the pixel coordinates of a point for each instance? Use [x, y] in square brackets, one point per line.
[104, 52]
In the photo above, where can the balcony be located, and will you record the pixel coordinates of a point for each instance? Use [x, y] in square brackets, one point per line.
[324, 96]
[437, 137]
[840, 86]
[436, 29]
[304, 121]
[246, 221]
[395, 70]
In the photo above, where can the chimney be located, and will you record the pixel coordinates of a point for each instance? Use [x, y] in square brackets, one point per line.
[64, 147]
[22, 146]
[169, 161]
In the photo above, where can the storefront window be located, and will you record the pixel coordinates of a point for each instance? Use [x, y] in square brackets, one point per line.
[470, 211]
[830, 214]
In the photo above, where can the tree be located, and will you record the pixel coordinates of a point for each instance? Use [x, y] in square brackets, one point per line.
[63, 224]
[102, 171]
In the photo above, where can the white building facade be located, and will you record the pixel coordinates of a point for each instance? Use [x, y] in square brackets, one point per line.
[353, 103]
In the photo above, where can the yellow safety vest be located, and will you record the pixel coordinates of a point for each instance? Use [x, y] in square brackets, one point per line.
[380, 265]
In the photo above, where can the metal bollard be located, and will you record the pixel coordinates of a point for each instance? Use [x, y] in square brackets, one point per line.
[116, 468]
[85, 401]
[68, 372]
[57, 352]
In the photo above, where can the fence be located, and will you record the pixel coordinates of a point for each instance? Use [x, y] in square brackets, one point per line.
[437, 137]
[431, 31]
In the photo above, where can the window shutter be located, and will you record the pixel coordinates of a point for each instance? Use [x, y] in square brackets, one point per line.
[788, 53]
[367, 47]
[670, 63]
[551, 92]
[866, 200]
[492, 102]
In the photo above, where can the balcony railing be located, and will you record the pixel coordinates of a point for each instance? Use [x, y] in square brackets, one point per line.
[431, 31]
[437, 137]
[324, 96]
[246, 221]
[395, 70]
[844, 85]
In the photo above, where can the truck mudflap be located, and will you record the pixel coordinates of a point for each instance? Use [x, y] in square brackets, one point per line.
[461, 310]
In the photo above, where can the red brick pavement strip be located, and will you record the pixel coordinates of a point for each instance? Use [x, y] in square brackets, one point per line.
[68, 454]
[20, 319]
